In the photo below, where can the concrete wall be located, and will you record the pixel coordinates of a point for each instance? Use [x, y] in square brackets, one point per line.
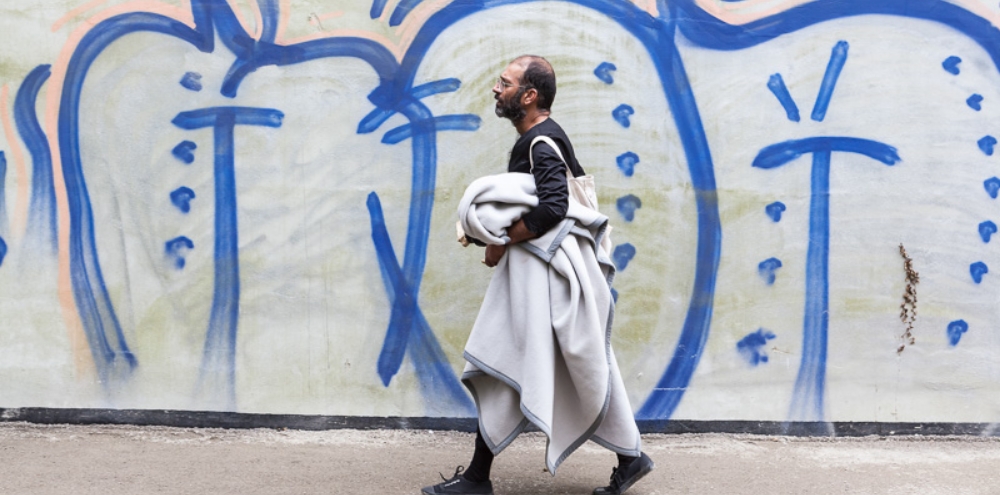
[249, 205]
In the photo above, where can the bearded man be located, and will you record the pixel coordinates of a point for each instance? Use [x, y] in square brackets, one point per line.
[540, 349]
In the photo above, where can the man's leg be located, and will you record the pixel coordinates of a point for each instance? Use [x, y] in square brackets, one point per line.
[473, 481]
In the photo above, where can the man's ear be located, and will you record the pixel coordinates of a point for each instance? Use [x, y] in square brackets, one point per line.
[530, 96]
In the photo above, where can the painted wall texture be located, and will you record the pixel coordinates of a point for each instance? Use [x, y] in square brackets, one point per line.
[249, 205]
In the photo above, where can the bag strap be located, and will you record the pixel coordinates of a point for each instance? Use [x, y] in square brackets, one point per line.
[547, 140]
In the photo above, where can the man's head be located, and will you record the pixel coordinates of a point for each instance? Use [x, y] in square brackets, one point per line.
[527, 85]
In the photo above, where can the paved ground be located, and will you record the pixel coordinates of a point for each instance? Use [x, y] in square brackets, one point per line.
[112, 460]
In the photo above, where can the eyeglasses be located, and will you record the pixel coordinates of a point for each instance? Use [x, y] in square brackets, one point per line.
[505, 84]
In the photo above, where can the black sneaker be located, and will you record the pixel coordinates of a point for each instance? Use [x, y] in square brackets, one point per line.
[621, 480]
[458, 485]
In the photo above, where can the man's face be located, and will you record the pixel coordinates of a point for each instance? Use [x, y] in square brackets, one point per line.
[508, 92]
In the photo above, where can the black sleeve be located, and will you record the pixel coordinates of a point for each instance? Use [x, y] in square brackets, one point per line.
[550, 186]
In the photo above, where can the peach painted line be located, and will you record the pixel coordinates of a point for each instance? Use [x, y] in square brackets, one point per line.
[20, 221]
[75, 12]
[285, 8]
[331, 15]
[81, 352]
[408, 31]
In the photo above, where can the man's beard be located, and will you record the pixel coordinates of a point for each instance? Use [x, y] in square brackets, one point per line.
[511, 109]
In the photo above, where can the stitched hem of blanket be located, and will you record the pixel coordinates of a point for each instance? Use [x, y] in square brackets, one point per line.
[547, 253]
[494, 448]
[528, 415]
[633, 452]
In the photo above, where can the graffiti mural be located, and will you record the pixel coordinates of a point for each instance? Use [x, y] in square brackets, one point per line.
[248, 205]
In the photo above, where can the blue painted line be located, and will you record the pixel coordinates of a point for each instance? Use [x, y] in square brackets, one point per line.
[627, 162]
[837, 59]
[42, 223]
[977, 270]
[218, 370]
[270, 12]
[622, 113]
[181, 198]
[467, 122]
[4, 226]
[3, 250]
[413, 332]
[950, 64]
[623, 255]
[752, 346]
[774, 210]
[992, 186]
[377, 117]
[986, 229]
[975, 102]
[768, 269]
[176, 248]
[603, 72]
[378, 6]
[779, 154]
[955, 331]
[777, 86]
[627, 205]
[986, 144]
[192, 81]
[184, 151]
[403, 9]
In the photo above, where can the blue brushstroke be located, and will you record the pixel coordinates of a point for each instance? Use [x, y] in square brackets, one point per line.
[218, 369]
[975, 102]
[774, 210]
[627, 162]
[950, 64]
[986, 229]
[181, 198]
[627, 205]
[603, 72]
[986, 143]
[777, 86]
[955, 331]
[377, 117]
[403, 9]
[622, 255]
[176, 248]
[837, 59]
[622, 113]
[378, 6]
[185, 151]
[3, 198]
[270, 12]
[42, 225]
[977, 270]
[767, 270]
[808, 396]
[992, 186]
[192, 81]
[3, 250]
[751, 347]
[434, 372]
[467, 122]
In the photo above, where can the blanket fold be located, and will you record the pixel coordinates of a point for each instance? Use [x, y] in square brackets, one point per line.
[540, 349]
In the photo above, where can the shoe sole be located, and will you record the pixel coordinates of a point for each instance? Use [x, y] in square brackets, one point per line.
[425, 492]
[642, 474]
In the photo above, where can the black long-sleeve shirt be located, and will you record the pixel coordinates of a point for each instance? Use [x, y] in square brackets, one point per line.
[549, 172]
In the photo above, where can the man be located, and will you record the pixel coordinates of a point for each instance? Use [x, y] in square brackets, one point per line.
[581, 395]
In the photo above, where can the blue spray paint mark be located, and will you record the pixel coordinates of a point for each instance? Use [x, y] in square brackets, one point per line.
[181, 198]
[986, 229]
[192, 81]
[992, 186]
[377, 117]
[431, 364]
[975, 102]
[627, 162]
[777, 86]
[955, 331]
[751, 347]
[603, 72]
[627, 206]
[950, 64]
[3, 188]
[774, 210]
[977, 270]
[42, 210]
[466, 122]
[176, 248]
[218, 370]
[622, 113]
[837, 59]
[986, 143]
[378, 6]
[3, 250]
[403, 8]
[270, 13]
[185, 151]
[767, 270]
[622, 255]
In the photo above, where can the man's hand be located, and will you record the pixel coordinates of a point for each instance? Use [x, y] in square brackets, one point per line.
[493, 254]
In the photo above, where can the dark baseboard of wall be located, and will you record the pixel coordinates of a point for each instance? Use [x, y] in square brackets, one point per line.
[212, 419]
